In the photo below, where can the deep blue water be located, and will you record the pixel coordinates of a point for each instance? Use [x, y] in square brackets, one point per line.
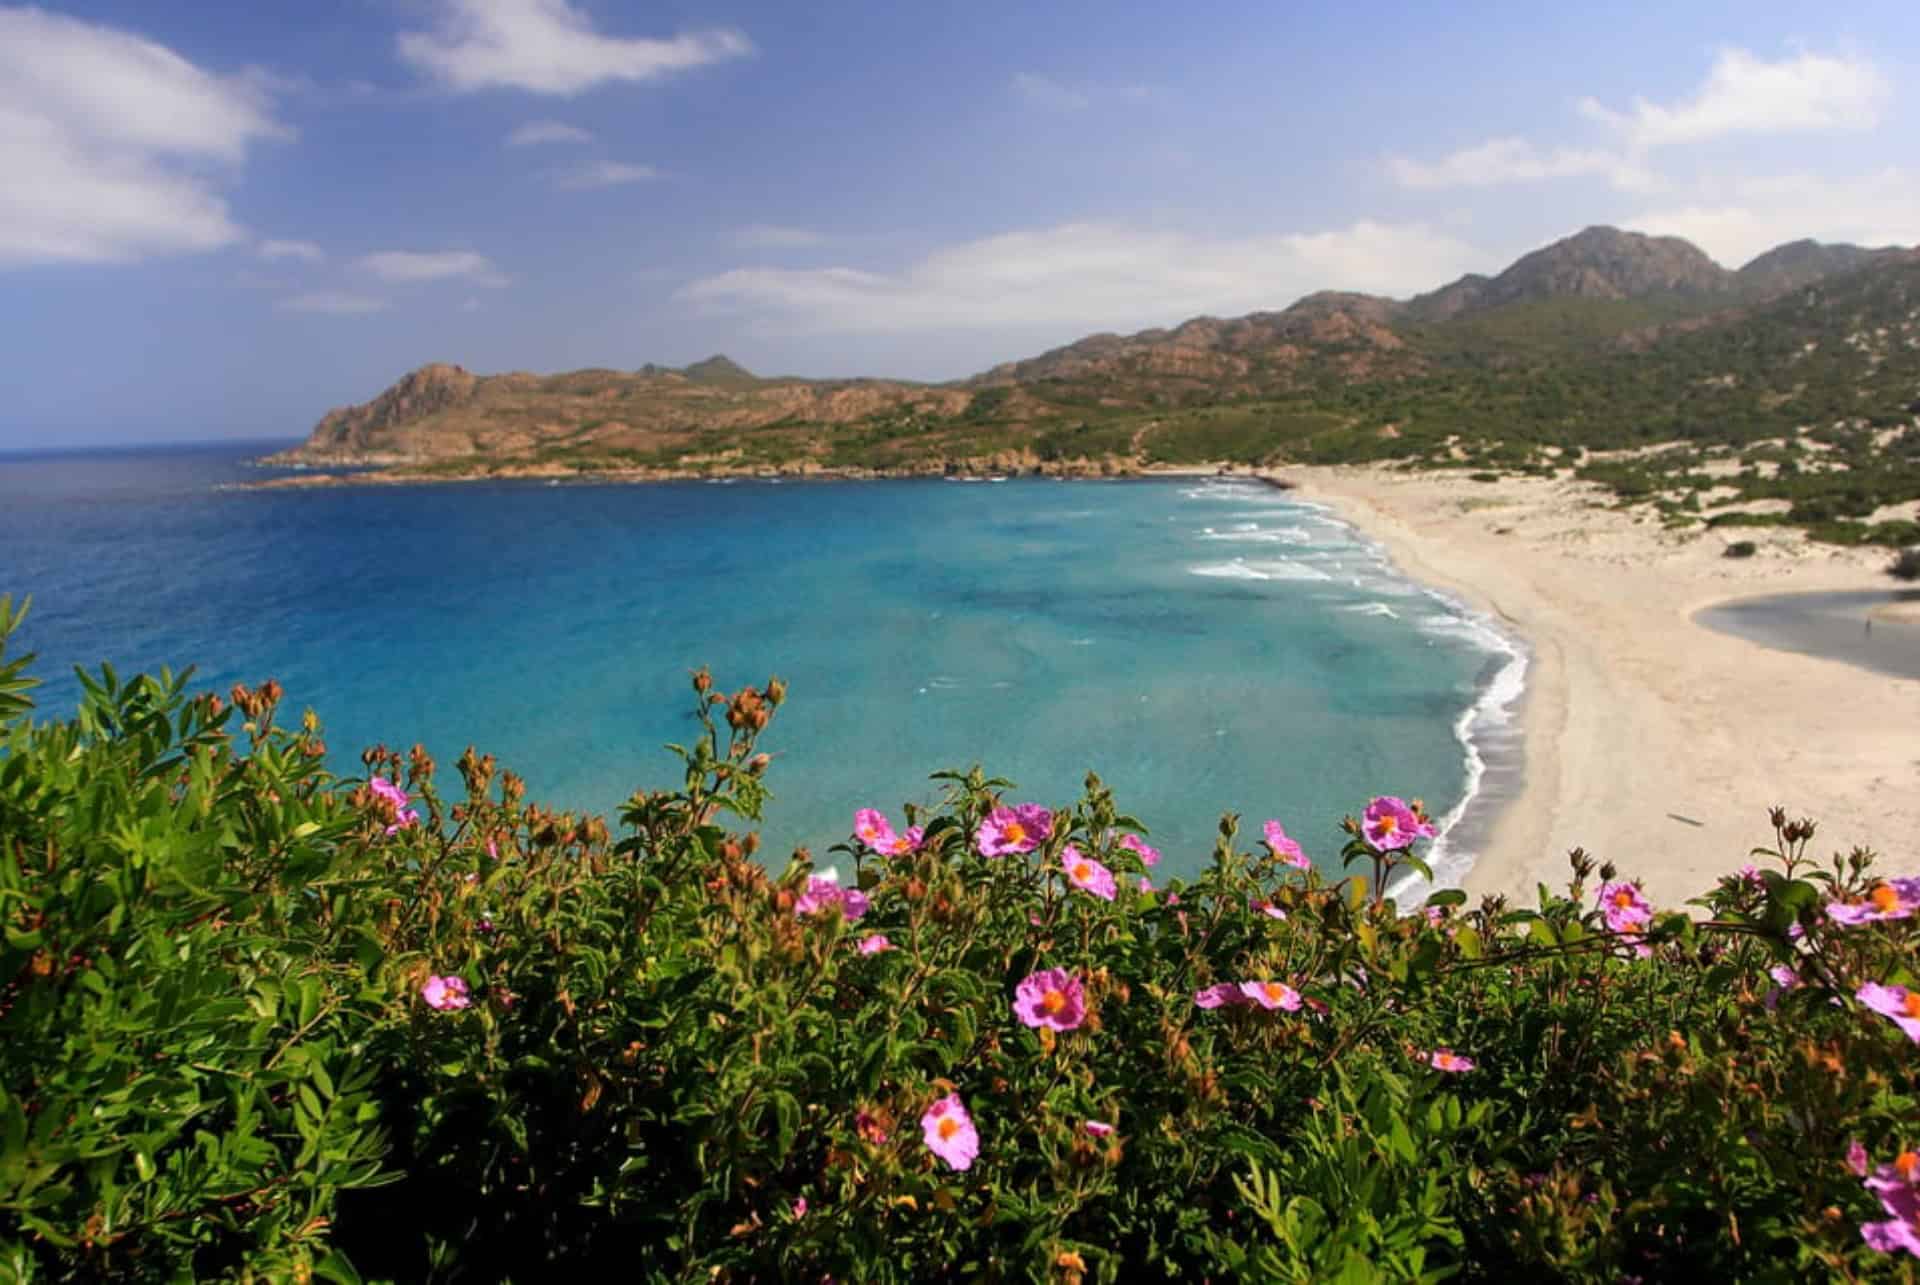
[1204, 646]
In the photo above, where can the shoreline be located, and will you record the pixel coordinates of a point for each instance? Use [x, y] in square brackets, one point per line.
[302, 477]
[1648, 739]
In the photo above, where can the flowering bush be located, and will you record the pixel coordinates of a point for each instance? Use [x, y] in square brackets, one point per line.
[258, 1021]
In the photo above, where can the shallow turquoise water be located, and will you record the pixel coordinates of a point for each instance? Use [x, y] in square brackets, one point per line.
[1203, 646]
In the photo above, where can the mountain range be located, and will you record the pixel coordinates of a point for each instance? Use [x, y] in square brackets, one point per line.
[1604, 339]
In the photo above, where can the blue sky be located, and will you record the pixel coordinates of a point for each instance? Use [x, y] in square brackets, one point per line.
[219, 218]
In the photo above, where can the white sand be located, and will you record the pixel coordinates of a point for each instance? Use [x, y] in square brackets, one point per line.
[1635, 716]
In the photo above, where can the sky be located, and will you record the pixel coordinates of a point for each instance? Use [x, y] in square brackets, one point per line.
[220, 218]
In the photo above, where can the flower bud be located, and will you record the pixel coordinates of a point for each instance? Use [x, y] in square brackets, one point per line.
[776, 690]
[702, 680]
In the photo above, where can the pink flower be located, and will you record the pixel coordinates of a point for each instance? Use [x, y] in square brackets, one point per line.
[1052, 998]
[1086, 874]
[908, 841]
[1898, 1187]
[1267, 908]
[1896, 1002]
[1625, 908]
[1390, 824]
[800, 1207]
[1271, 995]
[868, 1126]
[872, 828]
[1750, 873]
[1785, 979]
[824, 890]
[1891, 899]
[1013, 830]
[1146, 884]
[949, 1132]
[1856, 1157]
[1222, 995]
[395, 797]
[1448, 1060]
[874, 945]
[1436, 915]
[493, 849]
[1288, 850]
[446, 993]
[1149, 855]
[1099, 1128]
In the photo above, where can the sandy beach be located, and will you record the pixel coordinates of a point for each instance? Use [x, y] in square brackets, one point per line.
[1650, 740]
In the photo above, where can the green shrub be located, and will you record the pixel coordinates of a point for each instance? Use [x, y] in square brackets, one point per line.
[1905, 565]
[1741, 549]
[184, 1024]
[246, 995]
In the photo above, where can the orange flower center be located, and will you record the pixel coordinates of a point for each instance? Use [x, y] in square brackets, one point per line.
[1389, 823]
[1275, 991]
[1912, 1003]
[1081, 870]
[1623, 899]
[947, 1128]
[1014, 833]
[1907, 1163]
[1884, 898]
[1052, 1002]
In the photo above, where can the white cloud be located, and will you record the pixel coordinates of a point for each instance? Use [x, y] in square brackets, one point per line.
[1515, 160]
[1056, 95]
[1738, 220]
[1044, 91]
[406, 266]
[549, 47]
[607, 174]
[1744, 94]
[305, 251]
[1087, 274]
[775, 236]
[112, 146]
[338, 303]
[537, 132]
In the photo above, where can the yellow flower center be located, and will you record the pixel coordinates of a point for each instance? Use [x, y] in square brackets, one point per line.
[1081, 870]
[1884, 898]
[1014, 833]
[1275, 991]
[1912, 1003]
[947, 1127]
[1052, 1002]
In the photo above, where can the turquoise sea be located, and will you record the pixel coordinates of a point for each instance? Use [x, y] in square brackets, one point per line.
[1206, 646]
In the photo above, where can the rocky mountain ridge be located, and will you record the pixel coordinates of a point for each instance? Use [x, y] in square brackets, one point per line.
[1603, 288]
